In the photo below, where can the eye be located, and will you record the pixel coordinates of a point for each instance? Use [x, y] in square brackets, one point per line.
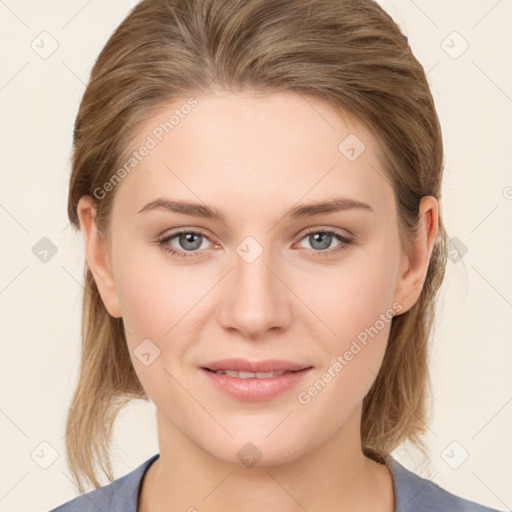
[190, 241]
[321, 239]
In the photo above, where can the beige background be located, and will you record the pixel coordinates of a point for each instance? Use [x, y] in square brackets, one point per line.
[40, 302]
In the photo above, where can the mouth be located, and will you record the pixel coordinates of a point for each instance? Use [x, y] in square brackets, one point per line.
[251, 375]
[254, 369]
[254, 381]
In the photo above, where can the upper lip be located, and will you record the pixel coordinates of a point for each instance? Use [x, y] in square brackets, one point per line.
[268, 365]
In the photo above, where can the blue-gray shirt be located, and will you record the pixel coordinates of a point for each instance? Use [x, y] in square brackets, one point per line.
[412, 494]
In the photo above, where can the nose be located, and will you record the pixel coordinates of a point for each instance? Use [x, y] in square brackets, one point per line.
[256, 298]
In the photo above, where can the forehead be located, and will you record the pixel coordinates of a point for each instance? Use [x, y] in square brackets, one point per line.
[244, 152]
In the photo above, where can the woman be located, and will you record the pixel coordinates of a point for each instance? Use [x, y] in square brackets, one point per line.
[258, 185]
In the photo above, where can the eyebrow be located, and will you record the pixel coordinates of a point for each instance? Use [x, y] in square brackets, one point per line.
[336, 204]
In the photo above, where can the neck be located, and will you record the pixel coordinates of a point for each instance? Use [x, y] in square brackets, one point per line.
[334, 476]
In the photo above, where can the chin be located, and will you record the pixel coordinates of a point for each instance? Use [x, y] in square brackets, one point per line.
[256, 450]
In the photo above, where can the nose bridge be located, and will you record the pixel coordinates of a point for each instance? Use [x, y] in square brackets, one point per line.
[252, 267]
[257, 299]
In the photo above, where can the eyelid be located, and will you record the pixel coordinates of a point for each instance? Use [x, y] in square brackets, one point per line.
[172, 233]
[179, 231]
[328, 229]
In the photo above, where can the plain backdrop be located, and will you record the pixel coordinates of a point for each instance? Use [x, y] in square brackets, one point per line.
[465, 46]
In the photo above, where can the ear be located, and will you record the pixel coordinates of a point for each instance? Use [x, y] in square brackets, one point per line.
[413, 269]
[97, 256]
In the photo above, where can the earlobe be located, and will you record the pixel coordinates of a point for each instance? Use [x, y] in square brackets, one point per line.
[96, 251]
[415, 266]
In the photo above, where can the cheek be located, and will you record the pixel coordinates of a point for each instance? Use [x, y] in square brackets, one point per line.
[154, 294]
[356, 312]
[353, 358]
[164, 303]
[350, 299]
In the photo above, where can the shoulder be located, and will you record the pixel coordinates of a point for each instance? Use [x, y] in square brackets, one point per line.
[121, 495]
[414, 493]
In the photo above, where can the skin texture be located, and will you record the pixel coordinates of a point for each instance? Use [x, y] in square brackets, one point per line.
[254, 158]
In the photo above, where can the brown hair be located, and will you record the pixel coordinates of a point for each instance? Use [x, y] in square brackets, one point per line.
[348, 53]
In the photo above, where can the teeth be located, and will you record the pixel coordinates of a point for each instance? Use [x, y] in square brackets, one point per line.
[250, 375]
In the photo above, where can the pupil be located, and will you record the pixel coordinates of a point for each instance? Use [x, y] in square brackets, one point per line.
[188, 238]
[317, 237]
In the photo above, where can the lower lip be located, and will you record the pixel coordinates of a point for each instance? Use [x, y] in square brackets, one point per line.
[255, 389]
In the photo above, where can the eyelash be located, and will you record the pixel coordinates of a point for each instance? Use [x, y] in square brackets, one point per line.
[162, 242]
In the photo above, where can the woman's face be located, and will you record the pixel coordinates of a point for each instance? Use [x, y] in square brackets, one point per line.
[261, 282]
